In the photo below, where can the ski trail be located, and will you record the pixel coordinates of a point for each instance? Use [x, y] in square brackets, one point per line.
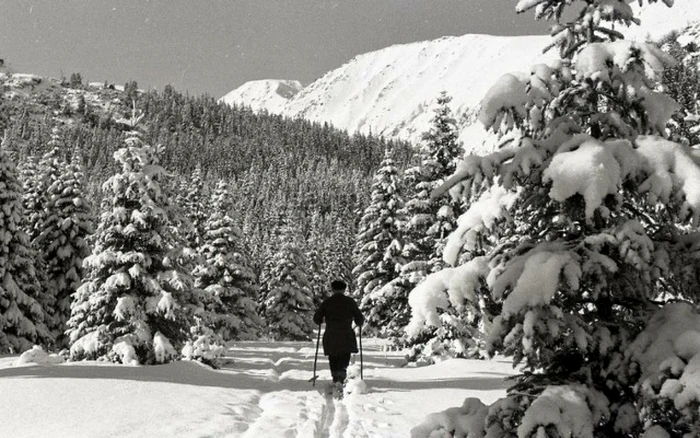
[340, 423]
[280, 411]
[242, 413]
[310, 416]
[328, 416]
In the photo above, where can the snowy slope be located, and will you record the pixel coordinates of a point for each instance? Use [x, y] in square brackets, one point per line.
[658, 20]
[263, 392]
[270, 94]
[391, 91]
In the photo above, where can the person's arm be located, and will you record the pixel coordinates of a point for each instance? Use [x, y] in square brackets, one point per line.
[318, 315]
[357, 315]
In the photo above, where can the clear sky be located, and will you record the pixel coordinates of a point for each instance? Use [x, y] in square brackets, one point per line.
[213, 46]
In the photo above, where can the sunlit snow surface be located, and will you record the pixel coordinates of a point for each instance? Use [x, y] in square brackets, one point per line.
[262, 392]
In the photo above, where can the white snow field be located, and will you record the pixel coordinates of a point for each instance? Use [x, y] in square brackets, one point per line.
[262, 391]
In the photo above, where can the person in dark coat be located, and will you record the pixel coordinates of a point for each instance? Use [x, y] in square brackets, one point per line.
[339, 342]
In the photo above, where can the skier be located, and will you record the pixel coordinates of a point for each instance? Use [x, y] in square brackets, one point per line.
[339, 341]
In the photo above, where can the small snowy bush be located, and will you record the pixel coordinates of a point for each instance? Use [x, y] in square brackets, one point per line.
[204, 346]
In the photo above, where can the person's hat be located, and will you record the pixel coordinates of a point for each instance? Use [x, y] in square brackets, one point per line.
[338, 285]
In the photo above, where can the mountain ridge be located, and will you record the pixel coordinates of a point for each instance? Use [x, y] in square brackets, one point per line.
[391, 91]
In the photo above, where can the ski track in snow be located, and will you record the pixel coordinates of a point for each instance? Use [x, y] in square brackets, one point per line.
[327, 418]
[262, 390]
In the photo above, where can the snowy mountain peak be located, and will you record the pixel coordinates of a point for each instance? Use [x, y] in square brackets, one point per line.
[391, 92]
[269, 94]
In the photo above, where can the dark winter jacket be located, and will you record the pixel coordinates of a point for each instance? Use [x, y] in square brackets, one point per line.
[338, 312]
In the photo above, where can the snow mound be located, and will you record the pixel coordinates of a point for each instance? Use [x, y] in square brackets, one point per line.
[460, 421]
[356, 386]
[353, 371]
[37, 355]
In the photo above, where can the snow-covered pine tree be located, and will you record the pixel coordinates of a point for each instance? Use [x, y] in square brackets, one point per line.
[441, 151]
[134, 305]
[33, 195]
[192, 200]
[21, 313]
[37, 177]
[288, 303]
[427, 222]
[67, 222]
[378, 247]
[225, 276]
[337, 251]
[587, 218]
[268, 251]
[316, 260]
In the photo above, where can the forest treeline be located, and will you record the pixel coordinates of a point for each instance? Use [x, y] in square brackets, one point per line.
[278, 169]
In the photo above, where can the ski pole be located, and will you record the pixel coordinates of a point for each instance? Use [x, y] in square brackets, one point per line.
[361, 361]
[318, 341]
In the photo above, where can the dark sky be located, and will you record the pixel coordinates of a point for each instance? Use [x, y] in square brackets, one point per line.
[213, 46]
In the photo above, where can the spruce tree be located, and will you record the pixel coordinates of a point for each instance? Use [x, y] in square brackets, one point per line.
[191, 198]
[225, 276]
[288, 303]
[135, 303]
[34, 185]
[427, 221]
[316, 261]
[378, 248]
[22, 315]
[582, 231]
[62, 242]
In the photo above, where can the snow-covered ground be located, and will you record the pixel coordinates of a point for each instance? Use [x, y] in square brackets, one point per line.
[262, 391]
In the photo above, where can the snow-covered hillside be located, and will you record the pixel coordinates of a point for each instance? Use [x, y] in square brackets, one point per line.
[391, 91]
